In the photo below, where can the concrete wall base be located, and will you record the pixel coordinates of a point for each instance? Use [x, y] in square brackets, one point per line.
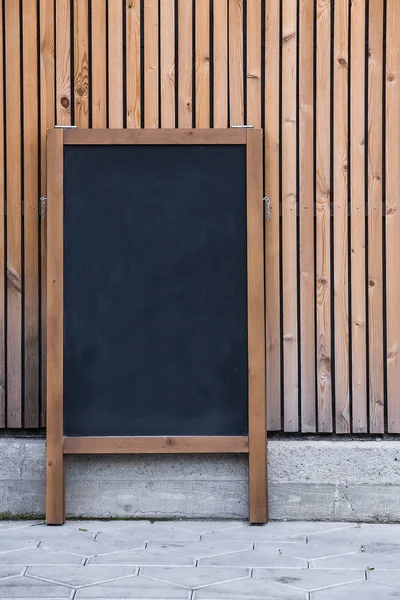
[308, 480]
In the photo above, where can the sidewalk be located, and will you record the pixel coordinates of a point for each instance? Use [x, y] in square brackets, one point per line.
[199, 560]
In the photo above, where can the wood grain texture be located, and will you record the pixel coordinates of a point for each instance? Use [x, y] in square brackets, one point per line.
[151, 66]
[167, 66]
[2, 240]
[99, 64]
[340, 215]
[185, 58]
[202, 58]
[220, 83]
[81, 63]
[55, 498]
[155, 445]
[289, 217]
[63, 62]
[30, 221]
[133, 41]
[255, 324]
[393, 213]
[166, 136]
[375, 213]
[47, 100]
[357, 196]
[115, 64]
[14, 209]
[253, 67]
[236, 92]
[323, 217]
[272, 241]
[306, 207]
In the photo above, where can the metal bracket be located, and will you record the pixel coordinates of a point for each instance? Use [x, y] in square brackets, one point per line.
[65, 126]
[267, 203]
[242, 126]
[43, 202]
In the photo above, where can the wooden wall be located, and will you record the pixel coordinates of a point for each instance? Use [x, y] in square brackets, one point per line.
[322, 78]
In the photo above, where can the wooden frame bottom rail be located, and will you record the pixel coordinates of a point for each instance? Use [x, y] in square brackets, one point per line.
[156, 445]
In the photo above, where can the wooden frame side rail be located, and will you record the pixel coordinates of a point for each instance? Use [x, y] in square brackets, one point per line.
[57, 444]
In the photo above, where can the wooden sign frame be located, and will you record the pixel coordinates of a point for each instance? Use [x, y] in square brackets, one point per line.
[57, 444]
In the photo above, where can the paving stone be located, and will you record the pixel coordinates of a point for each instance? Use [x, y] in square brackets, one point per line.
[198, 550]
[158, 531]
[388, 577]
[134, 587]
[309, 579]
[194, 577]
[10, 571]
[256, 589]
[253, 558]
[358, 560]
[261, 533]
[142, 558]
[362, 590]
[307, 551]
[91, 547]
[41, 531]
[362, 534]
[25, 587]
[39, 556]
[77, 576]
[204, 527]
[9, 543]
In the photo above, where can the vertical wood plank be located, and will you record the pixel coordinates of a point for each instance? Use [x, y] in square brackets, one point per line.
[340, 212]
[306, 205]
[115, 65]
[236, 95]
[289, 226]
[151, 66]
[357, 195]
[375, 213]
[99, 64]
[30, 198]
[272, 190]
[202, 41]
[55, 499]
[133, 41]
[257, 414]
[2, 240]
[323, 216]
[13, 187]
[81, 63]
[393, 213]
[63, 62]
[253, 67]
[167, 66]
[220, 83]
[185, 58]
[46, 121]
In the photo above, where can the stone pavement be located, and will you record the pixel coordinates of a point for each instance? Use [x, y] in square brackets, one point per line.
[195, 560]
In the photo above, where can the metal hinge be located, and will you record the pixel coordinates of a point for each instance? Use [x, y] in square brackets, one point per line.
[65, 126]
[242, 126]
[267, 204]
[42, 203]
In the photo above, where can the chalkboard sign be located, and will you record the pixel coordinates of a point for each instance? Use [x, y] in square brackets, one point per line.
[155, 267]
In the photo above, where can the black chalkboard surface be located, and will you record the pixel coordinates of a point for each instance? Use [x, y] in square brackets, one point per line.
[155, 290]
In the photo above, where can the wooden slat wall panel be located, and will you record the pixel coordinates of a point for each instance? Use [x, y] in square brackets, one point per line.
[375, 212]
[393, 213]
[289, 216]
[245, 63]
[30, 220]
[340, 214]
[2, 239]
[14, 209]
[133, 41]
[306, 206]
[357, 218]
[272, 235]
[99, 64]
[323, 217]
[185, 61]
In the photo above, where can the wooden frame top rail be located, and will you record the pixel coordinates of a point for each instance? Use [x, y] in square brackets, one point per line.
[155, 136]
